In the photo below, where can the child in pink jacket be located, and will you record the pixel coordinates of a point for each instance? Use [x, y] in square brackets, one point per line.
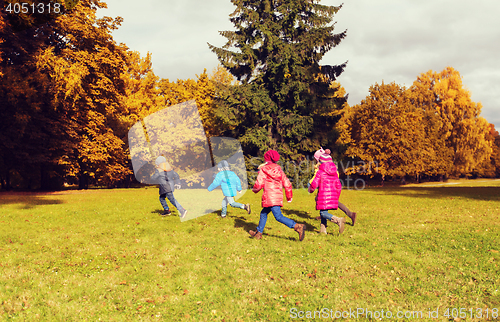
[322, 156]
[329, 187]
[272, 180]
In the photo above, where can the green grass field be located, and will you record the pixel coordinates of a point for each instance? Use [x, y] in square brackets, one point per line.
[108, 255]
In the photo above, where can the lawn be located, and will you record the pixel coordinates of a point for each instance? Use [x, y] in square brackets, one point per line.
[416, 252]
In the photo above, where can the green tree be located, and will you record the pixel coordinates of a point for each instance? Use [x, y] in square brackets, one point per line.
[285, 94]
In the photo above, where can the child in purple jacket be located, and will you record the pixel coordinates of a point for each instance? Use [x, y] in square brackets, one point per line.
[329, 187]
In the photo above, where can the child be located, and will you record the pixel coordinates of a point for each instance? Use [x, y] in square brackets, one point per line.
[230, 183]
[321, 156]
[272, 179]
[329, 188]
[168, 180]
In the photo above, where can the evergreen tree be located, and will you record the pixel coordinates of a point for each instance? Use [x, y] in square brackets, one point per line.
[286, 100]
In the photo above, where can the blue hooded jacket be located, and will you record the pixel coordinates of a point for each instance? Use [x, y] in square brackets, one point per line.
[229, 182]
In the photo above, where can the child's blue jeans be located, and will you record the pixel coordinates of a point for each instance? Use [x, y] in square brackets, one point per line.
[232, 203]
[325, 216]
[276, 210]
[171, 198]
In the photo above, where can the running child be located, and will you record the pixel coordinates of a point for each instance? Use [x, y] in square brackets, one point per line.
[230, 184]
[169, 180]
[272, 179]
[322, 156]
[329, 187]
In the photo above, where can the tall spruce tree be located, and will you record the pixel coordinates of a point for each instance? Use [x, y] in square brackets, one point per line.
[286, 100]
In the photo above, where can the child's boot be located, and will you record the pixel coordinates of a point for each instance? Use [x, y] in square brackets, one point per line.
[353, 217]
[255, 234]
[322, 229]
[339, 221]
[301, 229]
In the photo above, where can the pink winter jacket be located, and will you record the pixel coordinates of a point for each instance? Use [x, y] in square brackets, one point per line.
[329, 186]
[272, 179]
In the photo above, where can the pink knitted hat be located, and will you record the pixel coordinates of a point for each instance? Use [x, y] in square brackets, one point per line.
[325, 157]
[318, 153]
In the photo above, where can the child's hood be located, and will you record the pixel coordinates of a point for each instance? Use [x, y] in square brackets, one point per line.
[272, 170]
[329, 167]
[225, 175]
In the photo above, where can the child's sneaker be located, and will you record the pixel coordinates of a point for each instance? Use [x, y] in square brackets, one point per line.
[166, 213]
[322, 229]
[183, 213]
[247, 208]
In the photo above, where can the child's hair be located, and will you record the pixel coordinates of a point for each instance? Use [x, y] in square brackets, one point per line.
[223, 165]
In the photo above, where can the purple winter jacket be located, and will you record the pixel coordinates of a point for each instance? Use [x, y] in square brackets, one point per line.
[329, 186]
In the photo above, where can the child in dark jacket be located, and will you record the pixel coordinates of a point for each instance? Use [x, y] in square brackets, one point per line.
[168, 180]
[272, 179]
[329, 187]
[230, 184]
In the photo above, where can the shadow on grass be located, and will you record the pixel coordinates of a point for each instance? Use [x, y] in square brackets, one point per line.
[27, 200]
[476, 193]
[298, 213]
[241, 222]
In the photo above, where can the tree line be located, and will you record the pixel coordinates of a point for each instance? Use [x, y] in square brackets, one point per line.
[69, 94]
[432, 129]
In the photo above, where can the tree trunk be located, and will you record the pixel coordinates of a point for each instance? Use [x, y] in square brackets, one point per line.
[83, 182]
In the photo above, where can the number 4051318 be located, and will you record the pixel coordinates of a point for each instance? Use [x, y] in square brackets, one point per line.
[462, 313]
[27, 8]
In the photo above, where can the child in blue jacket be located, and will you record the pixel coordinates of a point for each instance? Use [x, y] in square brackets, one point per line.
[230, 184]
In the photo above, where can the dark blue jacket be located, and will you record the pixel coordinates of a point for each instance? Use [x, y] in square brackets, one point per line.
[166, 179]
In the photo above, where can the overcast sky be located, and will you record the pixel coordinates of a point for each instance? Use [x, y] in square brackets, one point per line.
[387, 41]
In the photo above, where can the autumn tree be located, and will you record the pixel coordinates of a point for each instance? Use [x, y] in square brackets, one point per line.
[29, 132]
[386, 131]
[491, 167]
[202, 90]
[458, 121]
[64, 93]
[431, 129]
[285, 94]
